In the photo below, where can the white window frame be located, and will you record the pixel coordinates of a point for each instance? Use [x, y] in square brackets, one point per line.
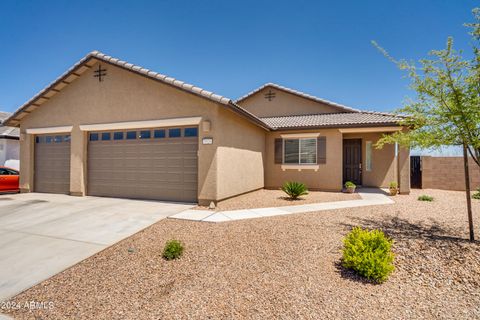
[299, 153]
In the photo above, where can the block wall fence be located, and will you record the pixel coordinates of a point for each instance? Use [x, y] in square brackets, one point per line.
[447, 173]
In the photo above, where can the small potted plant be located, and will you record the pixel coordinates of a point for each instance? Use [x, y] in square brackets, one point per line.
[393, 188]
[350, 187]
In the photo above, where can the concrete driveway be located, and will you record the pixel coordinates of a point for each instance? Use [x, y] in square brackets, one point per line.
[43, 234]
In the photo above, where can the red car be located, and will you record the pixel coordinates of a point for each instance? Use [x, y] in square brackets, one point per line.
[9, 180]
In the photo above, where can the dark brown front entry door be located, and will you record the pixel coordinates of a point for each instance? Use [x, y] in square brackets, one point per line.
[352, 161]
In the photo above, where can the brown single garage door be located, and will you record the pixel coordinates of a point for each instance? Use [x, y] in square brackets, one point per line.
[52, 164]
[158, 164]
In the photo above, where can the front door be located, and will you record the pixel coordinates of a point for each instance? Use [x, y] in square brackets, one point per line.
[415, 172]
[352, 161]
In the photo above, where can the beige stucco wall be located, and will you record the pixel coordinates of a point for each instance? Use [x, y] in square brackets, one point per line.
[383, 161]
[125, 96]
[283, 104]
[330, 175]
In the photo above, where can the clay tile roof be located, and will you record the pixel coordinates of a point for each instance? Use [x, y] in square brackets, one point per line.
[300, 94]
[76, 70]
[333, 120]
[164, 78]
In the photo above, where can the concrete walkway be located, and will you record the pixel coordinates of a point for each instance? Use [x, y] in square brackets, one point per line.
[42, 234]
[370, 197]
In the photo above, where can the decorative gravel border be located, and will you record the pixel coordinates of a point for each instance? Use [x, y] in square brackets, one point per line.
[283, 267]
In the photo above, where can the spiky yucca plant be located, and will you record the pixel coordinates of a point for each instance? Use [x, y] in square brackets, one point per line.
[294, 189]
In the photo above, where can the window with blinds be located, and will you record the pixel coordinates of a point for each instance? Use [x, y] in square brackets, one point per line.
[300, 151]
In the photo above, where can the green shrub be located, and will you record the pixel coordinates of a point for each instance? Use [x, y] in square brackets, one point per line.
[393, 185]
[173, 250]
[350, 184]
[369, 254]
[476, 195]
[425, 197]
[294, 189]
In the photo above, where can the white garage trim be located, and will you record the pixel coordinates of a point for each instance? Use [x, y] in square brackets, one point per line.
[49, 130]
[142, 124]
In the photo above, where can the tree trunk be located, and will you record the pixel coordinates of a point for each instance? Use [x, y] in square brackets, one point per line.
[467, 188]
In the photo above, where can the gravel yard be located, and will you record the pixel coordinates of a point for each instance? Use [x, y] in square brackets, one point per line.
[264, 198]
[283, 267]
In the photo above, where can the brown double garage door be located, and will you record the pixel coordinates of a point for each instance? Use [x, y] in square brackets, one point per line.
[157, 164]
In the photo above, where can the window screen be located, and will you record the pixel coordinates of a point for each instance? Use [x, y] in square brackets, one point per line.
[308, 151]
[291, 151]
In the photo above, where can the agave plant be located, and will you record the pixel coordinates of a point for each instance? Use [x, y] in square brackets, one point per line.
[294, 189]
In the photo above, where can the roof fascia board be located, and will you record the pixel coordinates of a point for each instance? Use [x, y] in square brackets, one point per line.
[367, 125]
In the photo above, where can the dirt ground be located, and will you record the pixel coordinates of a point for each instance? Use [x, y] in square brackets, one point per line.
[284, 267]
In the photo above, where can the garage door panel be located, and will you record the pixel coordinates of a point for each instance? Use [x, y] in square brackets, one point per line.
[162, 169]
[52, 164]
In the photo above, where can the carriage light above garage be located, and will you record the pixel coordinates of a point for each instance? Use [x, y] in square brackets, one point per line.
[206, 125]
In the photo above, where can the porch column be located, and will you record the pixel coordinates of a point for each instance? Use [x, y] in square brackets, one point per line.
[78, 160]
[404, 170]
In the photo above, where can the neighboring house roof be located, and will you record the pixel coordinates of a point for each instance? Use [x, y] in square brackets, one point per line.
[90, 59]
[7, 132]
[298, 93]
[333, 120]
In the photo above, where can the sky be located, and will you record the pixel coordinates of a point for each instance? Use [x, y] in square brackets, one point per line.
[232, 47]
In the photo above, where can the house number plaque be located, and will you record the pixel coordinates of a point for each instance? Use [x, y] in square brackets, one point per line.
[207, 140]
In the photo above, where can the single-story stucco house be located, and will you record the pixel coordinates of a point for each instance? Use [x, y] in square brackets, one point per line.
[9, 145]
[107, 127]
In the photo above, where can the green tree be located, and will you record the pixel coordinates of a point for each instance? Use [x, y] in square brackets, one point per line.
[446, 108]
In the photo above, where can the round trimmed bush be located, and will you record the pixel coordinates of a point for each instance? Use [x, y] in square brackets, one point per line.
[173, 250]
[476, 195]
[369, 254]
[425, 197]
